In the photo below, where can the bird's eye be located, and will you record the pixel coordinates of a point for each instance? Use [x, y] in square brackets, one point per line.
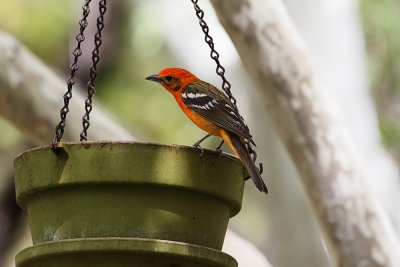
[168, 78]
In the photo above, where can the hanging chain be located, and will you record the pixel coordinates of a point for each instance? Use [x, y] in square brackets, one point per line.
[226, 86]
[220, 70]
[59, 130]
[93, 70]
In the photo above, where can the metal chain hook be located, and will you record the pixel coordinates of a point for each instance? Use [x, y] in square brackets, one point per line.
[93, 70]
[59, 130]
[220, 70]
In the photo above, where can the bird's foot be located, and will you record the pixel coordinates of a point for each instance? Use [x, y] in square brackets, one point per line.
[247, 178]
[218, 149]
[199, 148]
[197, 144]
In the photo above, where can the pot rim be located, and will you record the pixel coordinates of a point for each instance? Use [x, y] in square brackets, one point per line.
[36, 163]
[105, 142]
[197, 253]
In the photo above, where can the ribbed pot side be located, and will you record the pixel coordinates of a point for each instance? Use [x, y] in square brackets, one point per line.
[127, 190]
[110, 252]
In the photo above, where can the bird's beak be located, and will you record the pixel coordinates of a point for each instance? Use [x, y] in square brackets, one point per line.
[154, 78]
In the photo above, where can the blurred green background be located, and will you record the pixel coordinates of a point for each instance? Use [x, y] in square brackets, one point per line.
[138, 49]
[381, 20]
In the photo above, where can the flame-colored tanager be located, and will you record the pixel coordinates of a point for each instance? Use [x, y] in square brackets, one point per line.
[211, 110]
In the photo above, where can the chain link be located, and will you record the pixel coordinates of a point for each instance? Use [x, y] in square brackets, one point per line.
[59, 130]
[220, 70]
[93, 70]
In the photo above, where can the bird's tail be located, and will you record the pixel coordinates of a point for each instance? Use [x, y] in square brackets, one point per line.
[241, 150]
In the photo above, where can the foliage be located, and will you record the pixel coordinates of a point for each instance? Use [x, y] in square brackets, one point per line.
[381, 23]
[42, 25]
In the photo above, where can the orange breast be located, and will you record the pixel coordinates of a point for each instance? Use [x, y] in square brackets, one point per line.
[201, 122]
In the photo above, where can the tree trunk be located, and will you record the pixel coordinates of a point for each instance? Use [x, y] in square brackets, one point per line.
[349, 87]
[356, 228]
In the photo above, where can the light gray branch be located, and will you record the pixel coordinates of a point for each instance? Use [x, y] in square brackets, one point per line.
[356, 228]
[31, 98]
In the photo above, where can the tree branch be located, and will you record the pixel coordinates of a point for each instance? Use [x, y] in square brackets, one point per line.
[275, 56]
[31, 97]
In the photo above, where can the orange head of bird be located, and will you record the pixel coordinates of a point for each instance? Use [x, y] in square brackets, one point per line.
[173, 79]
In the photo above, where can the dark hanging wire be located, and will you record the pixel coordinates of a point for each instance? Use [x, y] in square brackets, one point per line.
[59, 130]
[93, 70]
[220, 70]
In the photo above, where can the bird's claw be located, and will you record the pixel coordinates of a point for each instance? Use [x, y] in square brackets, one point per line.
[247, 178]
[198, 147]
[218, 149]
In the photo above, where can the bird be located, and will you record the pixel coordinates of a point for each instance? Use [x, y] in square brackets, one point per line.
[211, 110]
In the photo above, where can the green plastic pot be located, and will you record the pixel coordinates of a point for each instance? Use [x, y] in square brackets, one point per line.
[130, 252]
[129, 190]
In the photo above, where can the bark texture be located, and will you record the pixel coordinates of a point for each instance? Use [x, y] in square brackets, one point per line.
[356, 228]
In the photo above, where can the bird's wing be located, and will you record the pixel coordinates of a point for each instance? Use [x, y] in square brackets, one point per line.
[213, 105]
